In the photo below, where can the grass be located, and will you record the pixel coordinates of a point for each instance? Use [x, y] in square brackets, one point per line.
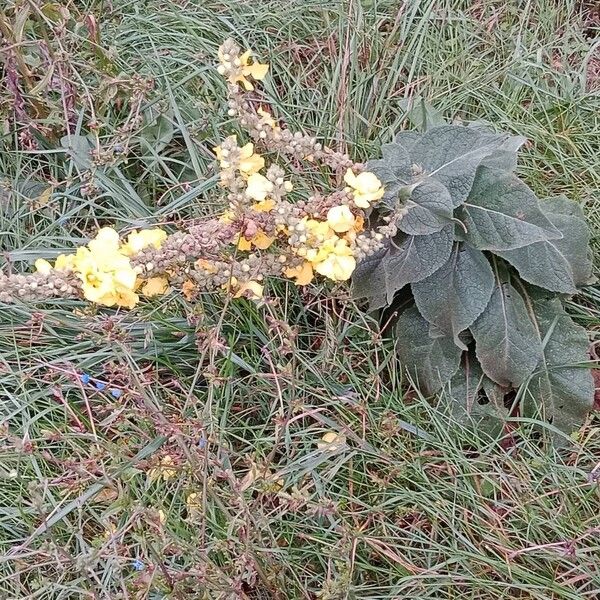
[228, 402]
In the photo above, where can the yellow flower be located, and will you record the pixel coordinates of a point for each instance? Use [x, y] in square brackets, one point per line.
[340, 219]
[250, 289]
[106, 241]
[245, 245]
[266, 118]
[123, 297]
[155, 286]
[258, 187]
[206, 265]
[250, 163]
[331, 441]
[339, 263]
[64, 262]
[188, 289]
[262, 241]
[227, 217]
[366, 188]
[303, 274]
[43, 266]
[138, 240]
[193, 503]
[106, 273]
[238, 73]
[264, 206]
[219, 153]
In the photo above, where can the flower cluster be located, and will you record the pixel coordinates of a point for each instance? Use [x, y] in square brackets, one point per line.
[264, 231]
[105, 270]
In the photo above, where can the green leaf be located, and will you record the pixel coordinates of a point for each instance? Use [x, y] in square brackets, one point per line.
[504, 158]
[475, 400]
[451, 155]
[407, 139]
[502, 213]
[394, 171]
[160, 130]
[421, 115]
[432, 362]
[368, 279]
[428, 210]
[413, 258]
[78, 148]
[507, 344]
[568, 217]
[457, 293]
[564, 389]
[556, 265]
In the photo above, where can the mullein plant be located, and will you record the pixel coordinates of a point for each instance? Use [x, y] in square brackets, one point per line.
[439, 230]
[261, 234]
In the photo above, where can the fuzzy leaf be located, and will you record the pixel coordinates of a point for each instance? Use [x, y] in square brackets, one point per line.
[428, 210]
[475, 399]
[78, 148]
[421, 115]
[457, 293]
[432, 362]
[507, 345]
[394, 171]
[568, 216]
[565, 390]
[556, 265]
[407, 139]
[160, 130]
[368, 279]
[415, 257]
[451, 155]
[502, 213]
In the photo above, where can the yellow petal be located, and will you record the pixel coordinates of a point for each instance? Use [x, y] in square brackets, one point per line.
[244, 245]
[336, 268]
[206, 265]
[303, 274]
[340, 218]
[155, 286]
[331, 441]
[125, 278]
[247, 151]
[43, 266]
[189, 290]
[250, 289]
[258, 187]
[127, 298]
[264, 206]
[106, 240]
[360, 201]
[266, 117]
[350, 178]
[245, 57]
[252, 164]
[64, 261]
[227, 217]
[262, 241]
[367, 182]
[138, 240]
[241, 79]
[98, 294]
[256, 70]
